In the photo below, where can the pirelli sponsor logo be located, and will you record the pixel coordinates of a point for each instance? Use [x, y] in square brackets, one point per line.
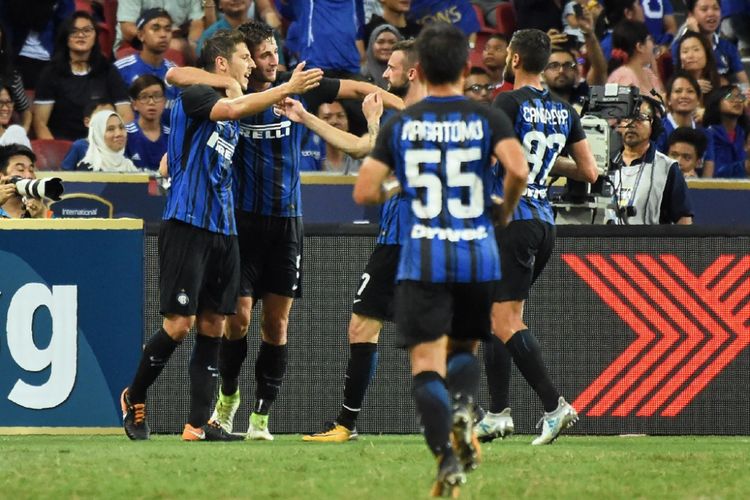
[271, 131]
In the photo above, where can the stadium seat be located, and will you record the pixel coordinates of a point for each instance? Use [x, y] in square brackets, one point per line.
[84, 5]
[475, 56]
[506, 19]
[50, 152]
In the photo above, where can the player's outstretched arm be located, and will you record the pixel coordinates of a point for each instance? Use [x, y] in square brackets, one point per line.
[511, 156]
[368, 190]
[185, 76]
[353, 89]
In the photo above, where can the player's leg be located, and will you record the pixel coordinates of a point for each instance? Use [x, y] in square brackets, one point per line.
[423, 317]
[181, 252]
[497, 421]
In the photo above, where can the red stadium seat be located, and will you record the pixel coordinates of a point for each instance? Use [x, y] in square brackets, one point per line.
[506, 19]
[50, 152]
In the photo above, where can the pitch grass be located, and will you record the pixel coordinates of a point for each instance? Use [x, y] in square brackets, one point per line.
[377, 467]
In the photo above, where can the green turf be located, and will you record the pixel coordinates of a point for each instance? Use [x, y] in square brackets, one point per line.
[382, 467]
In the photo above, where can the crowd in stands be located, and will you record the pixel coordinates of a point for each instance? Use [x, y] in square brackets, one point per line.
[90, 74]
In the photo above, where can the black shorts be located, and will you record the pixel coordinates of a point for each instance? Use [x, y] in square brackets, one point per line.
[427, 311]
[270, 255]
[525, 248]
[199, 270]
[374, 297]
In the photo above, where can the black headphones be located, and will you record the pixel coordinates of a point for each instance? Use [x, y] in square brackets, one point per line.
[656, 103]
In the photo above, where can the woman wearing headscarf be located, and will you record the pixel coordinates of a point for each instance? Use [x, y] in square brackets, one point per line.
[107, 139]
[379, 51]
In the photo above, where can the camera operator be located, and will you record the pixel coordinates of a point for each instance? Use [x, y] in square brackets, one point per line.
[18, 161]
[648, 185]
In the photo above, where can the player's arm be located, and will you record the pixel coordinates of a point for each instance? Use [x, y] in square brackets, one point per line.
[582, 165]
[353, 89]
[369, 189]
[513, 159]
[184, 76]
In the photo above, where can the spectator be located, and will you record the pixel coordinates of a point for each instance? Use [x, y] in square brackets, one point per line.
[540, 14]
[687, 146]
[649, 186]
[77, 74]
[736, 22]
[727, 125]
[494, 56]
[147, 136]
[379, 51]
[79, 147]
[372, 8]
[10, 134]
[660, 21]
[334, 160]
[633, 57]
[615, 11]
[186, 15]
[154, 32]
[562, 77]
[394, 13]
[32, 32]
[572, 12]
[478, 86]
[704, 17]
[457, 12]
[107, 140]
[18, 161]
[13, 81]
[694, 56]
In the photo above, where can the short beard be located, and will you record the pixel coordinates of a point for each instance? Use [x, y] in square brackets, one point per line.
[508, 75]
[401, 90]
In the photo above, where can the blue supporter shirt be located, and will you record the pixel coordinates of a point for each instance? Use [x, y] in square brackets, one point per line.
[669, 126]
[200, 163]
[132, 66]
[544, 124]
[729, 156]
[144, 152]
[268, 159]
[654, 12]
[457, 12]
[311, 152]
[726, 54]
[75, 154]
[441, 151]
[328, 31]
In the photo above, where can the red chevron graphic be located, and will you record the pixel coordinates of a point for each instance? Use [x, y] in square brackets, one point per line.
[655, 314]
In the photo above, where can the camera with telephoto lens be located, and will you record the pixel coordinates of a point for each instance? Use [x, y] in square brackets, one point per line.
[51, 188]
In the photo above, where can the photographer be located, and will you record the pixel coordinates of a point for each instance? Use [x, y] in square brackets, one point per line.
[18, 161]
[649, 186]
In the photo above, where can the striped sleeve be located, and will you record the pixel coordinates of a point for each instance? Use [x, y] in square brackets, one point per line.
[20, 99]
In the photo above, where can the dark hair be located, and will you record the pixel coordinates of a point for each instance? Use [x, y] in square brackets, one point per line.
[499, 36]
[690, 4]
[710, 72]
[61, 58]
[533, 48]
[409, 48]
[443, 51]
[11, 150]
[613, 13]
[255, 33]
[91, 106]
[687, 76]
[142, 82]
[223, 43]
[478, 70]
[712, 115]
[690, 136]
[557, 50]
[625, 39]
[6, 62]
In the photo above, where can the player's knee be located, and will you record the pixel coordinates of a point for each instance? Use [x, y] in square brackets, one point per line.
[273, 329]
[178, 327]
[211, 325]
[364, 330]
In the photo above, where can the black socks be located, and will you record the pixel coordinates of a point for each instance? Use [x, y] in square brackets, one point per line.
[155, 355]
[527, 355]
[363, 359]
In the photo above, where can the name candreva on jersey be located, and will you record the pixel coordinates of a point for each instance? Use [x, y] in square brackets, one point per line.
[458, 131]
[548, 116]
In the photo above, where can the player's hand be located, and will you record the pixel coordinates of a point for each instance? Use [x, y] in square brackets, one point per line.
[500, 214]
[7, 190]
[372, 106]
[292, 109]
[705, 86]
[36, 208]
[303, 80]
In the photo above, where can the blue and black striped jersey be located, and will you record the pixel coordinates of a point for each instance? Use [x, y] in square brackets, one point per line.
[267, 159]
[544, 124]
[389, 223]
[440, 150]
[200, 163]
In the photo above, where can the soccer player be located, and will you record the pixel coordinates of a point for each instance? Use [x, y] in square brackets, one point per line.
[441, 151]
[269, 215]
[373, 301]
[545, 125]
[198, 251]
